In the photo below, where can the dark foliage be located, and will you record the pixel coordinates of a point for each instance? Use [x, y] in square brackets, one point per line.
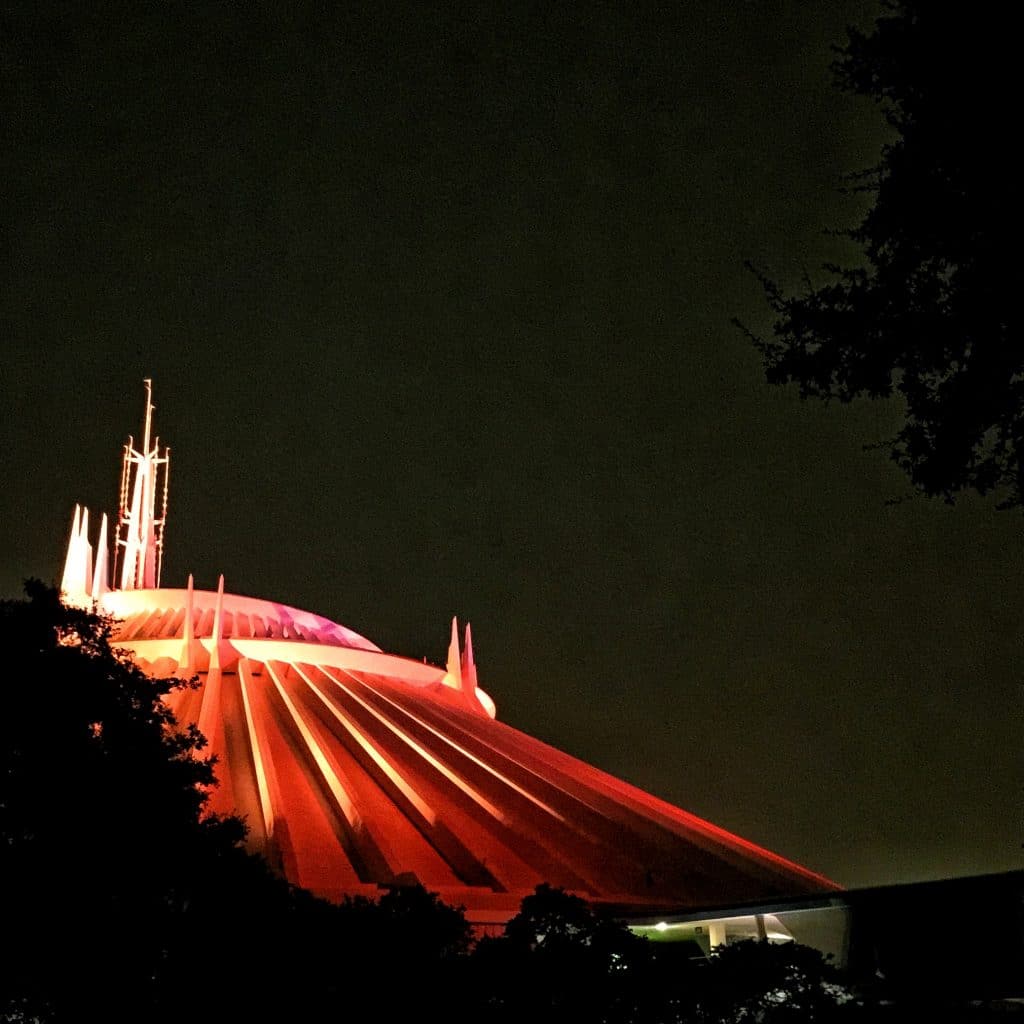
[559, 960]
[933, 313]
[769, 983]
[415, 926]
[405, 953]
[122, 899]
[115, 886]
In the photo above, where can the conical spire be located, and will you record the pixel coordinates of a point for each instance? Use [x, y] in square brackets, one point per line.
[76, 582]
[185, 663]
[218, 625]
[85, 555]
[468, 665]
[453, 665]
[101, 571]
[68, 582]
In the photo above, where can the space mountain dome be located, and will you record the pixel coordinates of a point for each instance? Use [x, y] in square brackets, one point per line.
[356, 769]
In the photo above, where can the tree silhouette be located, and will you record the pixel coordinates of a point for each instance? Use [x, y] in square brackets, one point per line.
[933, 313]
[771, 983]
[105, 853]
[121, 899]
[560, 959]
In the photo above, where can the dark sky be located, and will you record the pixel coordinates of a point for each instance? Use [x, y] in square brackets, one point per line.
[437, 299]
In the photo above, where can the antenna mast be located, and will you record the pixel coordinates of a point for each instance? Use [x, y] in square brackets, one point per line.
[140, 532]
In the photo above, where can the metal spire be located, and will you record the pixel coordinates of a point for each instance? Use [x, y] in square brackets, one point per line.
[140, 531]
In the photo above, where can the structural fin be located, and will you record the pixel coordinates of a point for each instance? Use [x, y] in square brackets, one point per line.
[218, 625]
[468, 666]
[186, 663]
[68, 582]
[101, 568]
[85, 557]
[453, 676]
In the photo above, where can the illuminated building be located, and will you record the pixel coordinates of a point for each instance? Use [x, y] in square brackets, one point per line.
[357, 769]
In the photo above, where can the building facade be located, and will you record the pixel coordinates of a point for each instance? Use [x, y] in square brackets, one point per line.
[357, 769]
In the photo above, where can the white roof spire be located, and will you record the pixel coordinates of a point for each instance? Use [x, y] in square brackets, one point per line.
[468, 665]
[454, 666]
[100, 571]
[69, 581]
[76, 582]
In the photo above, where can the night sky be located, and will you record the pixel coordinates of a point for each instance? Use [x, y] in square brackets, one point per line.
[436, 299]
